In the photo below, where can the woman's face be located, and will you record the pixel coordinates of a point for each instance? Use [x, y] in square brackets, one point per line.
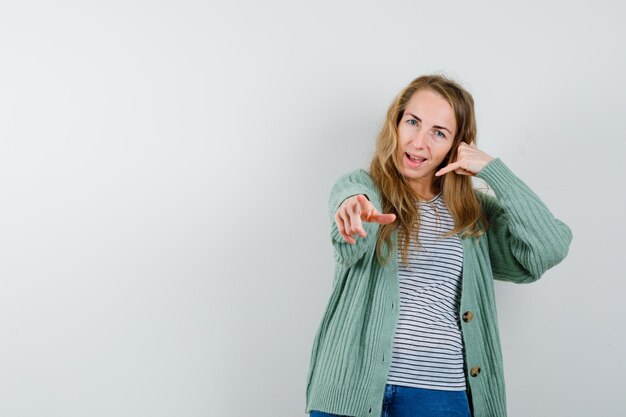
[425, 136]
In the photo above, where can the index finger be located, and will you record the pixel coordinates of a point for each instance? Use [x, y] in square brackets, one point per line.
[382, 218]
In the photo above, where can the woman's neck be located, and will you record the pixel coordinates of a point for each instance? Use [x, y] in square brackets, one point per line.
[424, 188]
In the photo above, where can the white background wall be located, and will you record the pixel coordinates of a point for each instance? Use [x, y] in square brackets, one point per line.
[164, 177]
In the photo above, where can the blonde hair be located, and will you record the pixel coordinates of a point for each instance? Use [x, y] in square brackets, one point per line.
[398, 197]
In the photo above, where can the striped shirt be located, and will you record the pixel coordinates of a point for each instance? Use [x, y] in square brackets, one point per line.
[427, 346]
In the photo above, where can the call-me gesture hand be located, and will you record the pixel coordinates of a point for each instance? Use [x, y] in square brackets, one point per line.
[469, 161]
[355, 210]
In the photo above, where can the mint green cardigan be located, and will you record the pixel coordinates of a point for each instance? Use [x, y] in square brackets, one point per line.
[351, 351]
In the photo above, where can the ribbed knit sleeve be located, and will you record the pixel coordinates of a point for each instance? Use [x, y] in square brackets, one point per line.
[525, 239]
[349, 184]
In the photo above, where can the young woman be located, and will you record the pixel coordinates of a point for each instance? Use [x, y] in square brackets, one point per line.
[411, 328]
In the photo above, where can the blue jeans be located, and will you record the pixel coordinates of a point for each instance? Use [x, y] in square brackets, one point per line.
[402, 401]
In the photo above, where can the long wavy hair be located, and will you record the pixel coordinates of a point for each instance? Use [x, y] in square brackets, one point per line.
[398, 196]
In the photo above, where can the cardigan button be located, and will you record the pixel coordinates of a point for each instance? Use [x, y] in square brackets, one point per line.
[475, 371]
[468, 316]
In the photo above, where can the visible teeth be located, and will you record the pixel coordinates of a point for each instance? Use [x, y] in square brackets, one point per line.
[414, 158]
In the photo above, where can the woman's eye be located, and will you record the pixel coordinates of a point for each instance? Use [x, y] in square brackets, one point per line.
[440, 134]
[410, 121]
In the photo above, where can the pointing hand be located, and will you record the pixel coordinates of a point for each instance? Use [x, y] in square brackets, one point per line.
[352, 212]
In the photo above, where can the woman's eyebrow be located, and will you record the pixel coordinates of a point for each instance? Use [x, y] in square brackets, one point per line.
[420, 120]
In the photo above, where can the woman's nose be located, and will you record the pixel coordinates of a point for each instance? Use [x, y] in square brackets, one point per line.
[419, 140]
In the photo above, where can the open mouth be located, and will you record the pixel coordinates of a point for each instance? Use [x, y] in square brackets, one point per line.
[414, 159]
